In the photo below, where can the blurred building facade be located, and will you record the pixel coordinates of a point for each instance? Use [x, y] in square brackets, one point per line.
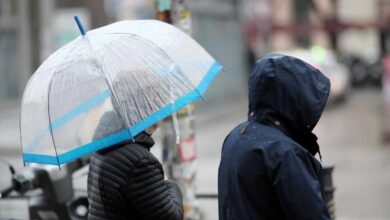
[15, 49]
[217, 27]
[235, 32]
[31, 30]
[351, 27]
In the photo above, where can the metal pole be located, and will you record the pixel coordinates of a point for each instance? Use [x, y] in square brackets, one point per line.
[329, 190]
[179, 160]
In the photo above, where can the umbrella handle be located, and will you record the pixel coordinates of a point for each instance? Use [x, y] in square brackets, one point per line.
[80, 25]
[176, 127]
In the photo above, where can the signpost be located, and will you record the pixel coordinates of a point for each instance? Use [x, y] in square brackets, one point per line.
[179, 153]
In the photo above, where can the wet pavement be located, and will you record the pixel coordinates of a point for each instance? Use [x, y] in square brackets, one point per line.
[350, 138]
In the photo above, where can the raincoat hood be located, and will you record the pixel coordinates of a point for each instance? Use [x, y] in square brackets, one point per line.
[290, 94]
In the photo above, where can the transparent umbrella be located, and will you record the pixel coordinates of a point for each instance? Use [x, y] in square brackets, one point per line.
[109, 85]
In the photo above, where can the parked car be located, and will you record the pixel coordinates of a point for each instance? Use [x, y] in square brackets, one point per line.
[364, 72]
[326, 61]
[375, 72]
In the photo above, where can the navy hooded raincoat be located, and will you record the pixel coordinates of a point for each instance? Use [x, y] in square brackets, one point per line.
[268, 170]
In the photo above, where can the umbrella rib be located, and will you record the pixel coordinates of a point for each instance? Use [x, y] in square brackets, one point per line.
[48, 112]
[49, 117]
[48, 109]
[108, 84]
[136, 80]
[51, 129]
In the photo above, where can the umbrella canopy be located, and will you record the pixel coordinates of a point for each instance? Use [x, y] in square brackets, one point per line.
[139, 72]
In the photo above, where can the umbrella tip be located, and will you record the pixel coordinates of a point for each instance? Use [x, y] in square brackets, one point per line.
[80, 25]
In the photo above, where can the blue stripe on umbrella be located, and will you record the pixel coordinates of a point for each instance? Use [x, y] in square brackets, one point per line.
[90, 103]
[40, 158]
[135, 129]
[96, 100]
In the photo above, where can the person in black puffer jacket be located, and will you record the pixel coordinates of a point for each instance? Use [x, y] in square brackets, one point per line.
[126, 181]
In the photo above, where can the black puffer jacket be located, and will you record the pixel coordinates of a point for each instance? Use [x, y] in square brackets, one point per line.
[126, 181]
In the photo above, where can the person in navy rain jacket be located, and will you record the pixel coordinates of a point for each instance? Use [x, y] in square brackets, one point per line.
[268, 169]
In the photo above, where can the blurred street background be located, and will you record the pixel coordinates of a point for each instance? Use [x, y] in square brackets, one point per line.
[349, 40]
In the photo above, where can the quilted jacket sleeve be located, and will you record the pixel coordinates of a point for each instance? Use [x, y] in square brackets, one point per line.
[154, 197]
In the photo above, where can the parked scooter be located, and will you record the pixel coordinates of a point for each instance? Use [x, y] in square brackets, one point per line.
[50, 191]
